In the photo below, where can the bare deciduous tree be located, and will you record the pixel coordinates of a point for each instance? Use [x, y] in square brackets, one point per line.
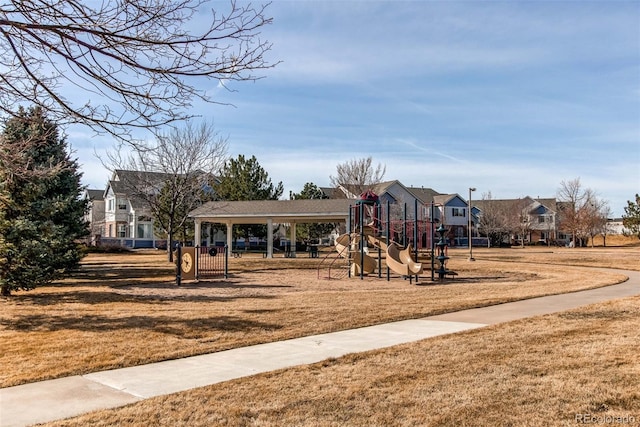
[600, 222]
[572, 198]
[174, 174]
[581, 211]
[358, 175]
[593, 216]
[518, 219]
[138, 59]
[493, 220]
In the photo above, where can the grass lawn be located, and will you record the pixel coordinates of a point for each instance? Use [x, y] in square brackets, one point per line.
[123, 310]
[555, 370]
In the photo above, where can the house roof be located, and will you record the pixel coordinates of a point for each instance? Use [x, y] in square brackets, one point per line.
[425, 195]
[92, 194]
[354, 191]
[139, 176]
[549, 204]
[496, 203]
[382, 187]
[333, 193]
[121, 189]
[118, 187]
[258, 211]
[444, 199]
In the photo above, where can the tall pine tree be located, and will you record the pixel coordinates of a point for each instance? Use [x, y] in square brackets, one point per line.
[41, 213]
[631, 218]
[313, 230]
[245, 179]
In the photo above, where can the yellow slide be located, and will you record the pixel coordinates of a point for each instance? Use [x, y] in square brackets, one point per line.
[400, 261]
[359, 262]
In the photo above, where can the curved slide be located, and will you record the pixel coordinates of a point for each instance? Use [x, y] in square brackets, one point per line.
[400, 261]
[359, 262]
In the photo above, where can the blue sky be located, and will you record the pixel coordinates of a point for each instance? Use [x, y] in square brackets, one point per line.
[508, 97]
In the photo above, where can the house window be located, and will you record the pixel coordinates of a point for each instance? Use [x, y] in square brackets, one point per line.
[459, 212]
[145, 231]
[110, 231]
[541, 219]
[122, 205]
[110, 205]
[122, 230]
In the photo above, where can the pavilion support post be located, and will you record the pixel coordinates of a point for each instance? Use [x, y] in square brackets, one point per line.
[197, 233]
[293, 240]
[269, 238]
[197, 240]
[230, 236]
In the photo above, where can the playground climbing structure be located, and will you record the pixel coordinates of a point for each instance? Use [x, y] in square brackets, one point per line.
[374, 236]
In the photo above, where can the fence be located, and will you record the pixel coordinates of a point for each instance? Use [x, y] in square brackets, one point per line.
[212, 262]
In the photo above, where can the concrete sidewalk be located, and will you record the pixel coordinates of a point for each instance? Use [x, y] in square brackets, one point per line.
[66, 397]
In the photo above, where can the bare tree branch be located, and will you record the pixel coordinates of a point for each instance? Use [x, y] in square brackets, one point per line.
[581, 211]
[358, 175]
[137, 58]
[173, 175]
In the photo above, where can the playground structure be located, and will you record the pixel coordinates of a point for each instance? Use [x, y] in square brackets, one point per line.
[370, 230]
[373, 236]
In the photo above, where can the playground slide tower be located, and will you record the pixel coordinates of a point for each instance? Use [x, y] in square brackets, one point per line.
[366, 223]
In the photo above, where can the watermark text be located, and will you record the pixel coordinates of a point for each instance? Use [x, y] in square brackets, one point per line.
[605, 419]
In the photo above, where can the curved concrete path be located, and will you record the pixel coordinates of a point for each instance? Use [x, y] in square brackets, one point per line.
[66, 397]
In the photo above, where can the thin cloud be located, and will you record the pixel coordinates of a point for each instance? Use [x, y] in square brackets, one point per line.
[511, 97]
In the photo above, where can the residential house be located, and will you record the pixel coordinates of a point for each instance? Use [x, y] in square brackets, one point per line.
[448, 209]
[94, 215]
[454, 214]
[395, 193]
[128, 219]
[530, 220]
[542, 218]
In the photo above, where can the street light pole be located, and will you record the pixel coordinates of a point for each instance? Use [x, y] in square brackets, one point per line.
[469, 225]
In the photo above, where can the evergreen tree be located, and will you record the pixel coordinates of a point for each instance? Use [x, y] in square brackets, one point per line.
[41, 213]
[243, 179]
[312, 230]
[631, 219]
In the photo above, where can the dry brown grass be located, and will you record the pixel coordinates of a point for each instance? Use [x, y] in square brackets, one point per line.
[615, 240]
[543, 371]
[124, 310]
[625, 257]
